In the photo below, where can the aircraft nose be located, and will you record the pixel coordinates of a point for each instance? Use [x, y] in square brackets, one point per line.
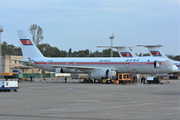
[174, 68]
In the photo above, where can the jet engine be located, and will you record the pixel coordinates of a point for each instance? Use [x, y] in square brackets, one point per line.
[104, 73]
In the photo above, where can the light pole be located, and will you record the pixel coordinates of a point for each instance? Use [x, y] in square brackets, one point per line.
[1, 30]
[112, 37]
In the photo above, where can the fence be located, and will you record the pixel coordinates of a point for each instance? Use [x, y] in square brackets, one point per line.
[34, 75]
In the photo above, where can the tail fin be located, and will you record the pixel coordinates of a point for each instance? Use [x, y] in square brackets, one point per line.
[124, 51]
[154, 50]
[28, 48]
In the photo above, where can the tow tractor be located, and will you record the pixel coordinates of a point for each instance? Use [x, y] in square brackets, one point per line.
[106, 81]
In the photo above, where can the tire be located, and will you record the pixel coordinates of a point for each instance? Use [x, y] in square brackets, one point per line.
[15, 90]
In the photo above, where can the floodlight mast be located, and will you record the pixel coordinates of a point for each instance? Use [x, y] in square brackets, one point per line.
[1, 30]
[112, 37]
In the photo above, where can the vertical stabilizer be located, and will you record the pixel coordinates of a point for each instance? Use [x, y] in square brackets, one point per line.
[28, 48]
[124, 51]
[154, 50]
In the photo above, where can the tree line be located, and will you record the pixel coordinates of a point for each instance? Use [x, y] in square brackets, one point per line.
[49, 51]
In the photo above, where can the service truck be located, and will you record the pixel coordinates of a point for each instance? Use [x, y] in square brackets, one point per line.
[153, 80]
[7, 86]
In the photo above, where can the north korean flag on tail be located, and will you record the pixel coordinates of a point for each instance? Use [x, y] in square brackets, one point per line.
[155, 53]
[126, 54]
[26, 42]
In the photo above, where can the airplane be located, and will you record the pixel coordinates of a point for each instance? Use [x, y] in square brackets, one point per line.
[155, 52]
[97, 68]
[123, 51]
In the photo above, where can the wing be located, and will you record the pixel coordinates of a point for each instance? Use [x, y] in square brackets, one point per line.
[83, 68]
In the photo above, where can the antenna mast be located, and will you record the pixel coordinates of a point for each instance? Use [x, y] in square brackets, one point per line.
[112, 37]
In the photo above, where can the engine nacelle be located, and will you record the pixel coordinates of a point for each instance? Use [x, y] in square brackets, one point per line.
[104, 73]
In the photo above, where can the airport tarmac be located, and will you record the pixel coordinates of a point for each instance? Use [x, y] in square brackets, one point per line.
[91, 101]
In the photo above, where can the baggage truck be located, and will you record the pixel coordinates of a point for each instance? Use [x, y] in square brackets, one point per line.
[7, 86]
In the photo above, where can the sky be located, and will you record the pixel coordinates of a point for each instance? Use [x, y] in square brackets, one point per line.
[85, 24]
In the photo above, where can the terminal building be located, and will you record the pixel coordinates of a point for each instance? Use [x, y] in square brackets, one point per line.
[9, 65]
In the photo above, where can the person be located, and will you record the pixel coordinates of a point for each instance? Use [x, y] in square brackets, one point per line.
[31, 78]
[65, 79]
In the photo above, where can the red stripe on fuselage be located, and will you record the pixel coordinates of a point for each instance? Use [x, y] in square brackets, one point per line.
[97, 63]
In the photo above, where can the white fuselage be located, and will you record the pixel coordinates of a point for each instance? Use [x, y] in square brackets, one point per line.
[123, 65]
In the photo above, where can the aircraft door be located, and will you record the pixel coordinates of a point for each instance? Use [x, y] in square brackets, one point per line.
[156, 64]
[127, 63]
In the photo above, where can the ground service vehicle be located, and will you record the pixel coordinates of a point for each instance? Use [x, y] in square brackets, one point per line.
[124, 78]
[7, 86]
[153, 80]
[106, 81]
